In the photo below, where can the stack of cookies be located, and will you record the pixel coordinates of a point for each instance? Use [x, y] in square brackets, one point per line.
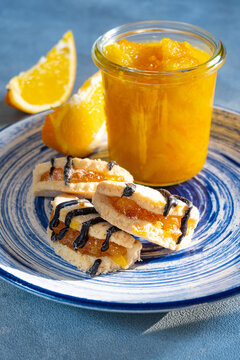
[98, 211]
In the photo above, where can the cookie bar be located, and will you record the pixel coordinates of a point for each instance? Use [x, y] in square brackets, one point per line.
[79, 235]
[155, 215]
[75, 176]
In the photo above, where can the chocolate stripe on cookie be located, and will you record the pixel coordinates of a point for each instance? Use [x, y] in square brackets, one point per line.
[184, 220]
[53, 236]
[67, 170]
[82, 239]
[171, 201]
[77, 212]
[94, 268]
[110, 231]
[129, 190]
[51, 168]
[111, 164]
[188, 202]
[55, 220]
[61, 233]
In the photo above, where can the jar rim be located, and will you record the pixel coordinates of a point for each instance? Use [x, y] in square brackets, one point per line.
[211, 65]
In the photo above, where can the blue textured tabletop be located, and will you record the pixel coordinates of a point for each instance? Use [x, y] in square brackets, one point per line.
[35, 328]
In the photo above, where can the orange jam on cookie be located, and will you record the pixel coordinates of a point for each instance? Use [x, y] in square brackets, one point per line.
[79, 175]
[169, 224]
[92, 246]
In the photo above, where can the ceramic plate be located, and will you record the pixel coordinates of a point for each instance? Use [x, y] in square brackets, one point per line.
[207, 271]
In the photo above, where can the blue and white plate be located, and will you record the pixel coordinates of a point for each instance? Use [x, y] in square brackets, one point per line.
[207, 271]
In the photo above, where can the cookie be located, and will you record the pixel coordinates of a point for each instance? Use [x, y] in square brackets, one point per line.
[154, 215]
[79, 235]
[75, 176]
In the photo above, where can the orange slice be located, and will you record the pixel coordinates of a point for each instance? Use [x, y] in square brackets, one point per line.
[47, 84]
[77, 127]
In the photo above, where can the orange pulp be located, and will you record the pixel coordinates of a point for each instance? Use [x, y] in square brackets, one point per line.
[79, 175]
[169, 224]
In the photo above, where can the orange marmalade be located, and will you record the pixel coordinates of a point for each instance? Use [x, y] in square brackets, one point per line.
[159, 132]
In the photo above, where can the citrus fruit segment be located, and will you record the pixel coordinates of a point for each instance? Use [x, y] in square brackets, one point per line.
[47, 84]
[77, 127]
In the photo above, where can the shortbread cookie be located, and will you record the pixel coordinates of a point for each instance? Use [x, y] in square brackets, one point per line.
[79, 235]
[75, 176]
[155, 215]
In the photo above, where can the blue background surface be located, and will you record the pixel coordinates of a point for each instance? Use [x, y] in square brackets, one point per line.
[35, 328]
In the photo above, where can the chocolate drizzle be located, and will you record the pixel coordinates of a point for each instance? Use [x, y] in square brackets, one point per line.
[184, 220]
[94, 268]
[184, 224]
[53, 236]
[55, 220]
[111, 164]
[172, 201]
[51, 168]
[129, 190]
[67, 170]
[188, 202]
[110, 231]
[61, 233]
[77, 212]
[82, 239]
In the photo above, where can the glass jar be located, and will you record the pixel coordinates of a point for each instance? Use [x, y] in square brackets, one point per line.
[158, 122]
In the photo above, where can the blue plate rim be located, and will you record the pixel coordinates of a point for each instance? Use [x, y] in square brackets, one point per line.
[114, 306]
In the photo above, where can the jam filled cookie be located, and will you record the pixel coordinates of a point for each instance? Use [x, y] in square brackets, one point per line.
[155, 215]
[75, 176]
[79, 235]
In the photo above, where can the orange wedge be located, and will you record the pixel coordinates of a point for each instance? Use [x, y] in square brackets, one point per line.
[77, 127]
[47, 84]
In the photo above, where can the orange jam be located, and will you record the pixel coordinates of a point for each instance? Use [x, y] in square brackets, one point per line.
[128, 207]
[93, 245]
[158, 129]
[79, 175]
[166, 55]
